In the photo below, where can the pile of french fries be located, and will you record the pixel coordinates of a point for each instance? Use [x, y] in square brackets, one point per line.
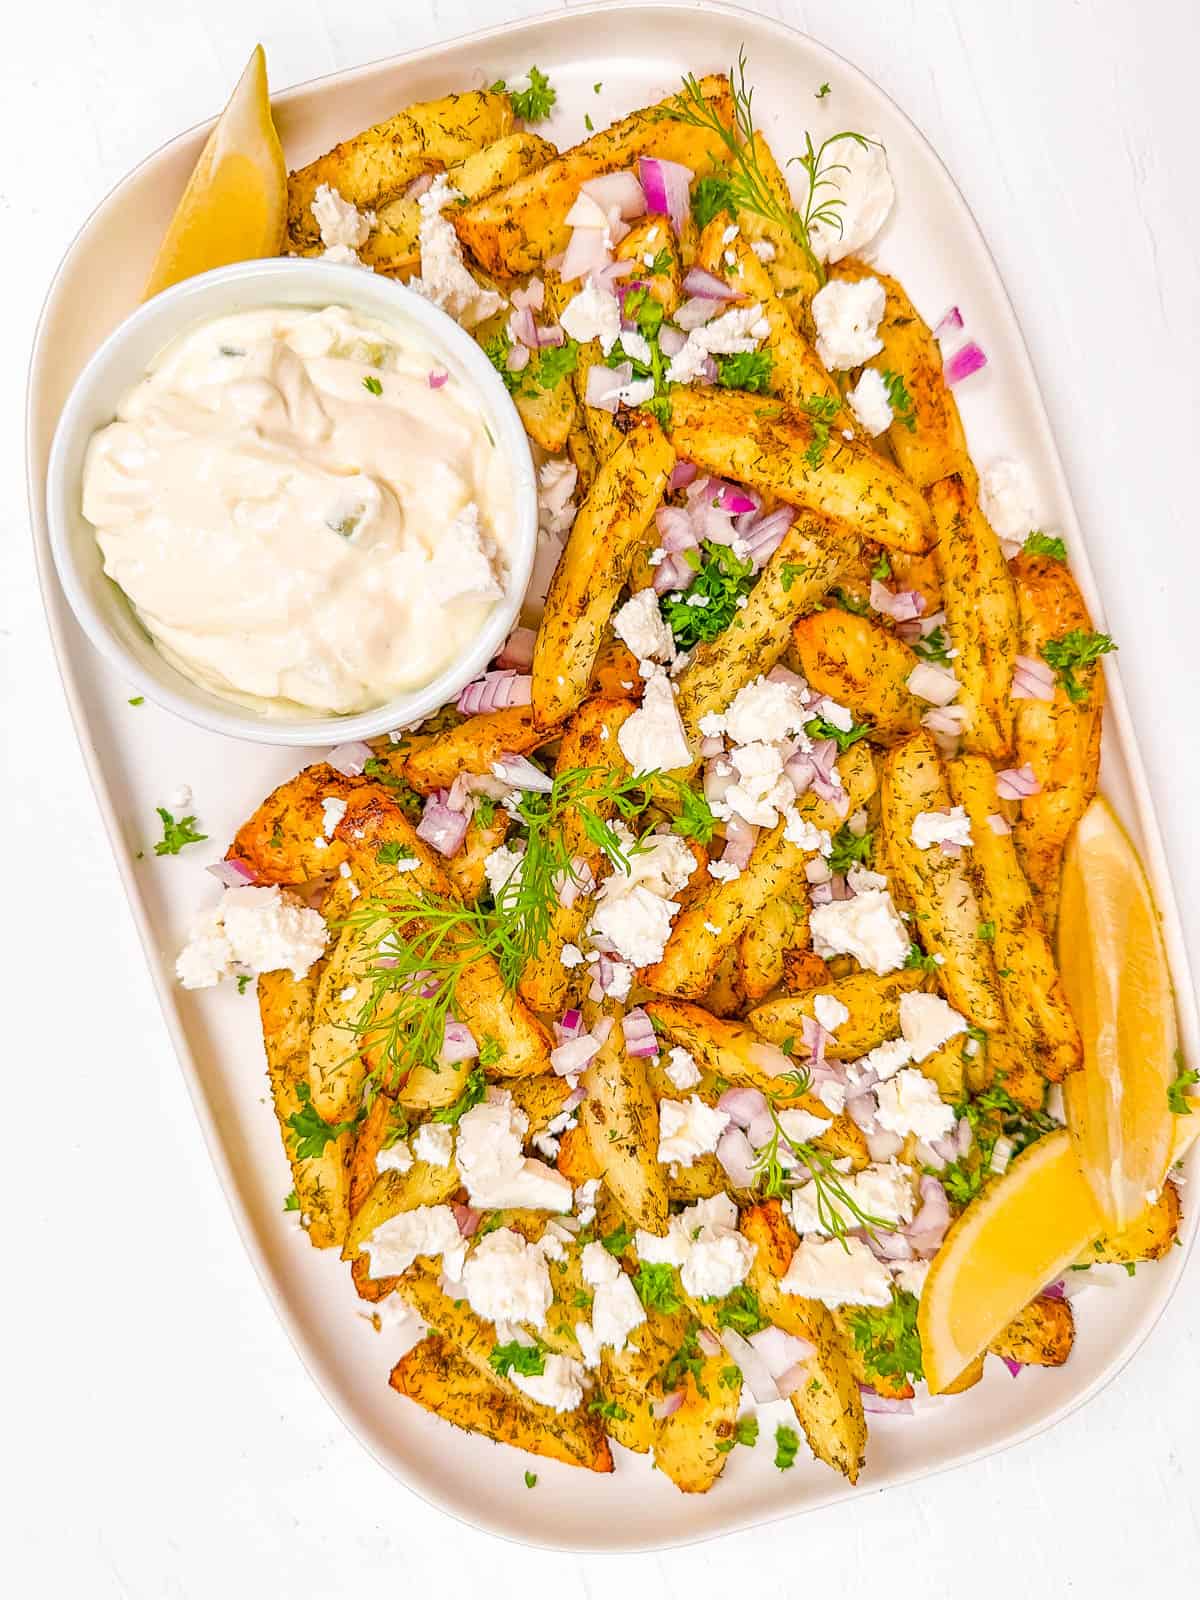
[739, 973]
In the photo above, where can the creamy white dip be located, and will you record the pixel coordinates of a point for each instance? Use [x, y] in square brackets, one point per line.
[300, 519]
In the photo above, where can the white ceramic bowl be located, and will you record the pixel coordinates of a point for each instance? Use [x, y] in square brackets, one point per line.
[105, 613]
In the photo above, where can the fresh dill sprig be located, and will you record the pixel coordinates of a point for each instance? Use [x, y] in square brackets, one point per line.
[834, 1202]
[748, 188]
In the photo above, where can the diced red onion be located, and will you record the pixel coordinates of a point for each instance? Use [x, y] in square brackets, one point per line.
[517, 358]
[928, 1228]
[668, 1405]
[1014, 1367]
[1017, 783]
[706, 286]
[671, 573]
[551, 335]
[523, 328]
[458, 1042]
[739, 841]
[586, 255]
[671, 341]
[964, 1136]
[619, 189]
[814, 1038]
[719, 778]
[1002, 1154]
[934, 684]
[495, 691]
[766, 534]
[233, 873]
[442, 828]
[1056, 1290]
[882, 1405]
[952, 322]
[781, 1351]
[640, 1037]
[570, 1026]
[882, 1146]
[737, 1157]
[468, 1220]
[889, 1246]
[1033, 679]
[532, 297]
[708, 1342]
[694, 313]
[905, 605]
[733, 498]
[573, 1054]
[682, 473]
[964, 362]
[608, 277]
[516, 653]
[998, 824]
[438, 379]
[604, 385]
[571, 884]
[946, 720]
[708, 370]
[675, 529]
[712, 745]
[742, 1106]
[754, 1368]
[522, 774]
[418, 186]
[861, 1109]
[666, 185]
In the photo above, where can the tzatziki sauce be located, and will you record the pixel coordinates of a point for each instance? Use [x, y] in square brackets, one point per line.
[305, 508]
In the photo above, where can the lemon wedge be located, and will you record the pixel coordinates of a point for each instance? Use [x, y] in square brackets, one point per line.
[1114, 970]
[235, 205]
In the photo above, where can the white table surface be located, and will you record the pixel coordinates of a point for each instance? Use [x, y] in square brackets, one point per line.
[159, 1435]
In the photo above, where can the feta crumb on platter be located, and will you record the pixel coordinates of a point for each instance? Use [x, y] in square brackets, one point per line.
[837, 1273]
[252, 929]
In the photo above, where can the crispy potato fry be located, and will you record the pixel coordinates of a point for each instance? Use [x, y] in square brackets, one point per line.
[947, 1067]
[655, 237]
[437, 1378]
[725, 996]
[377, 164]
[797, 577]
[873, 1004]
[621, 1118]
[862, 665]
[1034, 1002]
[803, 969]
[694, 951]
[688, 1446]
[576, 1159]
[935, 445]
[540, 1098]
[473, 745]
[981, 614]
[758, 442]
[632, 1423]
[1147, 1238]
[793, 276]
[595, 434]
[761, 949]
[1060, 740]
[322, 1182]
[937, 885]
[582, 453]
[1039, 1336]
[393, 1192]
[279, 840]
[609, 525]
[518, 228]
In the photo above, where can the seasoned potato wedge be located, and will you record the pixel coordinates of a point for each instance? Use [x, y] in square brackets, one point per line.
[1147, 1238]
[654, 236]
[873, 1004]
[688, 1445]
[518, 228]
[380, 162]
[782, 925]
[862, 665]
[1034, 1001]
[1060, 739]
[621, 1118]
[760, 443]
[609, 525]
[473, 745]
[437, 1378]
[1039, 1336]
[936, 884]
[981, 614]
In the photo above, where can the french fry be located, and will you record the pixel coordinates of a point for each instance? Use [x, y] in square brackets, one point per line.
[862, 665]
[473, 745]
[621, 1118]
[873, 1004]
[761, 949]
[688, 1448]
[1039, 1336]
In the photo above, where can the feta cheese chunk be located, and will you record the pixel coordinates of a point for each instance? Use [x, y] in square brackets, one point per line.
[633, 909]
[506, 1279]
[681, 1069]
[870, 403]
[941, 827]
[652, 739]
[344, 228]
[703, 1242]
[423, 1231]
[765, 711]
[739, 329]
[501, 865]
[911, 1275]
[616, 1309]
[252, 929]
[1008, 501]
[762, 790]
[593, 314]
[687, 1129]
[444, 276]
[823, 1270]
[639, 624]
[394, 1158]
[884, 1191]
[434, 1143]
[867, 927]
[927, 1022]
[494, 1169]
[858, 176]
[830, 1012]
[910, 1103]
[847, 316]
[559, 1385]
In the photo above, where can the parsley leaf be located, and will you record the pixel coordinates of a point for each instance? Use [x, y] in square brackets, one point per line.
[821, 92]
[531, 1480]
[1177, 1096]
[789, 572]
[402, 792]
[245, 979]
[1070, 654]
[933, 647]
[721, 582]
[138, 700]
[1041, 544]
[850, 849]
[490, 1051]
[916, 957]
[687, 1359]
[695, 819]
[787, 1442]
[882, 570]
[855, 604]
[820, 728]
[745, 1431]
[710, 197]
[176, 834]
[619, 1240]
[660, 266]
[473, 1092]
[527, 1359]
[741, 1311]
[554, 363]
[821, 410]
[745, 369]
[655, 1285]
[532, 104]
[900, 400]
[291, 1202]
[609, 1409]
[312, 1132]
[887, 1337]
[986, 932]
[392, 851]
[372, 384]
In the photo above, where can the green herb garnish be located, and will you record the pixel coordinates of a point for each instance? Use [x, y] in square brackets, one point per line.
[1072, 653]
[532, 104]
[745, 369]
[787, 1443]
[721, 581]
[887, 1338]
[1042, 544]
[372, 384]
[176, 834]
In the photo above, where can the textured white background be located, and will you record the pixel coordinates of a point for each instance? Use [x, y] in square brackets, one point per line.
[160, 1437]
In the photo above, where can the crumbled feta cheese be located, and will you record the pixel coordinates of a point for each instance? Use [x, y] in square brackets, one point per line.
[829, 1012]
[344, 228]
[724, 871]
[423, 1231]
[639, 624]
[926, 1022]
[884, 1061]
[870, 403]
[739, 329]
[594, 314]
[585, 1200]
[730, 233]
[762, 790]
[502, 864]
[652, 739]
[572, 956]
[434, 1143]
[800, 831]
[867, 927]
[634, 910]
[765, 711]
[332, 810]
[764, 250]
[687, 1129]
[394, 1158]
[847, 315]
[858, 177]
[681, 1069]
[703, 1242]
[444, 276]
[616, 1309]
[559, 1385]
[1008, 501]
[837, 716]
[832, 1096]
[798, 1127]
[494, 1169]
[910, 1103]
[941, 827]
[506, 1279]
[860, 878]
[837, 1273]
[253, 930]
[883, 1191]
[180, 798]
[910, 1276]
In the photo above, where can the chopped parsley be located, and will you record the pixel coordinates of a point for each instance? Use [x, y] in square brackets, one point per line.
[490, 1051]
[527, 1359]
[1071, 654]
[821, 728]
[821, 410]
[291, 1202]
[1177, 1096]
[710, 197]
[787, 1443]
[553, 363]
[855, 604]
[1042, 544]
[531, 1480]
[900, 400]
[745, 369]
[882, 570]
[312, 1132]
[741, 1311]
[588, 123]
[532, 104]
[986, 932]
[661, 264]
[933, 647]
[176, 834]
[656, 1288]
[245, 979]
[473, 1092]
[687, 1359]
[372, 384]
[887, 1338]
[916, 957]
[821, 92]
[850, 849]
[789, 572]
[619, 1240]
[609, 1409]
[729, 1377]
[138, 700]
[745, 1431]
[402, 792]
[393, 851]
[721, 580]
[496, 350]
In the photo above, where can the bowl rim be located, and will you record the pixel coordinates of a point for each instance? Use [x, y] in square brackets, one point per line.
[188, 304]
